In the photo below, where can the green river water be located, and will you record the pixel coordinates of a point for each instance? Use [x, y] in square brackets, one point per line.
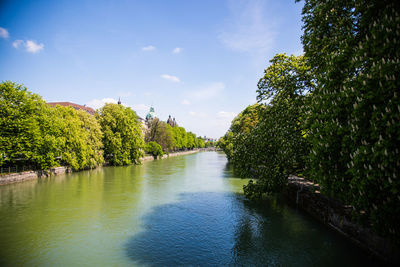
[181, 211]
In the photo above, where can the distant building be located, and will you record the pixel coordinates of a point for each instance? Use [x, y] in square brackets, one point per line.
[75, 106]
[151, 115]
[171, 121]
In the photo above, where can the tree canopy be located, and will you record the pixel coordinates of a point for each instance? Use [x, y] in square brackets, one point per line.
[122, 134]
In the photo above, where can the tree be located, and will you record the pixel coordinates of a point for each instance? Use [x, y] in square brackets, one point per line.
[122, 134]
[267, 141]
[25, 128]
[33, 133]
[154, 149]
[161, 133]
[191, 140]
[353, 49]
[200, 142]
[93, 139]
[180, 137]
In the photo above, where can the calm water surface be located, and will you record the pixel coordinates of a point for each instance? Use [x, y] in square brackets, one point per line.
[182, 211]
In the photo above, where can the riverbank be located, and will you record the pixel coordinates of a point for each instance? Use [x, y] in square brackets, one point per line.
[306, 195]
[32, 175]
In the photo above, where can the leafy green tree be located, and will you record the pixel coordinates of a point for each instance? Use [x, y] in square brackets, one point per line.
[93, 139]
[353, 49]
[161, 133]
[122, 134]
[154, 149]
[245, 121]
[180, 137]
[267, 141]
[191, 140]
[24, 121]
[32, 132]
[200, 142]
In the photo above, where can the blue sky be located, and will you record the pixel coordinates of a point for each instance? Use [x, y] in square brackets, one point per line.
[198, 61]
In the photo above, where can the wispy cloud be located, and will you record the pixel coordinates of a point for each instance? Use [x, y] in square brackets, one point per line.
[177, 50]
[4, 33]
[208, 91]
[170, 78]
[149, 48]
[30, 46]
[17, 43]
[185, 102]
[248, 29]
[98, 103]
[33, 47]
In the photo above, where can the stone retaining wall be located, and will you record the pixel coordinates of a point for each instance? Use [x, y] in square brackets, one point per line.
[30, 175]
[337, 216]
[147, 158]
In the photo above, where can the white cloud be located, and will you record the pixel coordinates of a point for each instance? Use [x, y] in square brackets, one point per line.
[170, 78]
[248, 28]
[209, 91]
[149, 48]
[33, 47]
[140, 107]
[4, 33]
[98, 103]
[17, 43]
[177, 50]
[185, 102]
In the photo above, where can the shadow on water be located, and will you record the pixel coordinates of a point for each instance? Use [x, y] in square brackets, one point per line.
[220, 229]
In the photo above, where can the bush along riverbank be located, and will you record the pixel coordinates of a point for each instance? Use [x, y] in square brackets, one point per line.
[331, 115]
[32, 175]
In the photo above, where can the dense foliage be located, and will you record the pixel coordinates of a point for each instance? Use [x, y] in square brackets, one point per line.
[334, 114]
[122, 134]
[33, 133]
[154, 149]
[171, 138]
[180, 137]
[355, 115]
[160, 132]
[267, 141]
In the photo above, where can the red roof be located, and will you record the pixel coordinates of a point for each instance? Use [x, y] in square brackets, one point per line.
[75, 106]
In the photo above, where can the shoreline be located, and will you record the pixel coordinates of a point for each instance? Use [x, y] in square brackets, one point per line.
[306, 195]
[20, 177]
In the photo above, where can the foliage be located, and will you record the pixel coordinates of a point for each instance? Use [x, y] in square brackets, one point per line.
[191, 140]
[154, 149]
[267, 141]
[353, 48]
[226, 144]
[180, 137]
[122, 134]
[161, 133]
[200, 142]
[34, 133]
[247, 119]
[23, 117]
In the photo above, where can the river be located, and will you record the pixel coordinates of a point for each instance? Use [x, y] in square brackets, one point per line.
[180, 211]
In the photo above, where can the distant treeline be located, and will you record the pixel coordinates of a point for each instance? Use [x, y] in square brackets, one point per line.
[34, 133]
[332, 115]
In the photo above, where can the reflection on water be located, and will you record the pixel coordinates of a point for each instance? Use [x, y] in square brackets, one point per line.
[222, 229]
[185, 211]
